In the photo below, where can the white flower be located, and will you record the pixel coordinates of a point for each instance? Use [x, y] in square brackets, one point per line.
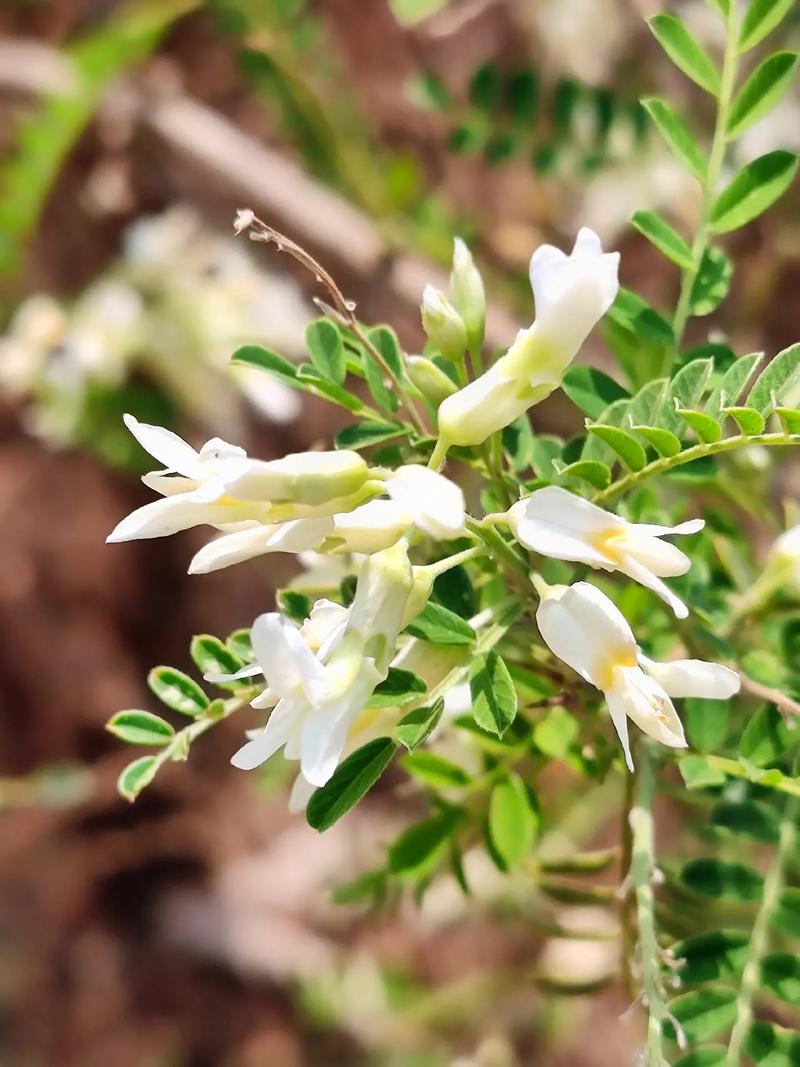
[466, 289]
[572, 293]
[558, 524]
[784, 557]
[582, 627]
[435, 504]
[220, 486]
[442, 324]
[299, 535]
[320, 695]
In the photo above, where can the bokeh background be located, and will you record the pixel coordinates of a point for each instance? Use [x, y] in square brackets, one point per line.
[196, 927]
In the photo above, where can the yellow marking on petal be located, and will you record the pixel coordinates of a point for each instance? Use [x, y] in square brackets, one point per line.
[610, 542]
[366, 719]
[621, 658]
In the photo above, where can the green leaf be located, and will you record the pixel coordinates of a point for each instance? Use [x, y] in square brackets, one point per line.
[294, 605]
[623, 443]
[267, 360]
[588, 470]
[351, 780]
[711, 283]
[364, 434]
[666, 240]
[786, 915]
[494, 699]
[707, 1056]
[780, 377]
[724, 881]
[690, 382]
[535, 686]
[635, 314]
[733, 383]
[555, 734]
[417, 726]
[663, 441]
[676, 134]
[379, 386]
[761, 92]
[397, 688]
[703, 1013]
[698, 774]
[309, 378]
[768, 1045]
[780, 974]
[762, 17]
[512, 820]
[441, 627]
[766, 737]
[685, 51]
[755, 188]
[420, 846]
[706, 723]
[706, 428]
[435, 770]
[326, 350]
[136, 776]
[710, 956]
[369, 887]
[177, 690]
[213, 657]
[748, 420]
[384, 339]
[591, 390]
[748, 818]
[790, 418]
[241, 646]
[140, 728]
[544, 449]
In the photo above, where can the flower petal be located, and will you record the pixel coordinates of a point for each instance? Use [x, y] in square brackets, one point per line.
[373, 526]
[619, 717]
[325, 730]
[435, 504]
[166, 447]
[693, 678]
[584, 629]
[649, 706]
[281, 725]
[301, 793]
[660, 557]
[296, 536]
[288, 663]
[643, 576]
[561, 525]
[172, 514]
[324, 622]
[244, 672]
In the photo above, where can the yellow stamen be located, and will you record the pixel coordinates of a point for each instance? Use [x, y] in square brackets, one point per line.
[610, 542]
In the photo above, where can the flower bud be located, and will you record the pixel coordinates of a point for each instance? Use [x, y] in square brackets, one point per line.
[374, 526]
[466, 290]
[304, 478]
[431, 380]
[443, 325]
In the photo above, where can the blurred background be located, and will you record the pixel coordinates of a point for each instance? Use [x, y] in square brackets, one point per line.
[196, 927]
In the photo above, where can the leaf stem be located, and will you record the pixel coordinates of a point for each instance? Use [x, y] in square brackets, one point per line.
[751, 976]
[705, 448]
[715, 162]
[642, 871]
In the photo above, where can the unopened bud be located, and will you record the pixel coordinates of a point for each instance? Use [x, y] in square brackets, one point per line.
[467, 292]
[301, 478]
[431, 380]
[443, 324]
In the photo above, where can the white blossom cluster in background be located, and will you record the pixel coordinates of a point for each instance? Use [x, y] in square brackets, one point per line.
[172, 308]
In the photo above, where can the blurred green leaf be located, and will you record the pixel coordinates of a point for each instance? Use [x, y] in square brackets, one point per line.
[660, 234]
[177, 690]
[725, 881]
[136, 776]
[685, 51]
[761, 18]
[326, 350]
[512, 821]
[140, 728]
[676, 134]
[761, 92]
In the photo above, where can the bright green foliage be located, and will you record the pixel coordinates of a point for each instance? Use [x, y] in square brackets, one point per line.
[140, 728]
[177, 690]
[350, 781]
[685, 51]
[494, 699]
[676, 134]
[512, 821]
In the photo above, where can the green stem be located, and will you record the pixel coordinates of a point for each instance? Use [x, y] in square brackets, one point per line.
[733, 769]
[643, 867]
[497, 544]
[666, 463]
[179, 745]
[759, 938]
[446, 564]
[715, 162]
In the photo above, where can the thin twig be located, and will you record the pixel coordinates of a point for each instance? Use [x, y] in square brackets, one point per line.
[785, 705]
[344, 308]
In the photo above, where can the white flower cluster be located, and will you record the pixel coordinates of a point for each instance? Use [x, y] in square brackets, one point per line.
[320, 676]
[174, 305]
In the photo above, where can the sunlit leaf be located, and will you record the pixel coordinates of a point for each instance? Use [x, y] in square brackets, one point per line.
[755, 188]
[685, 51]
[351, 780]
